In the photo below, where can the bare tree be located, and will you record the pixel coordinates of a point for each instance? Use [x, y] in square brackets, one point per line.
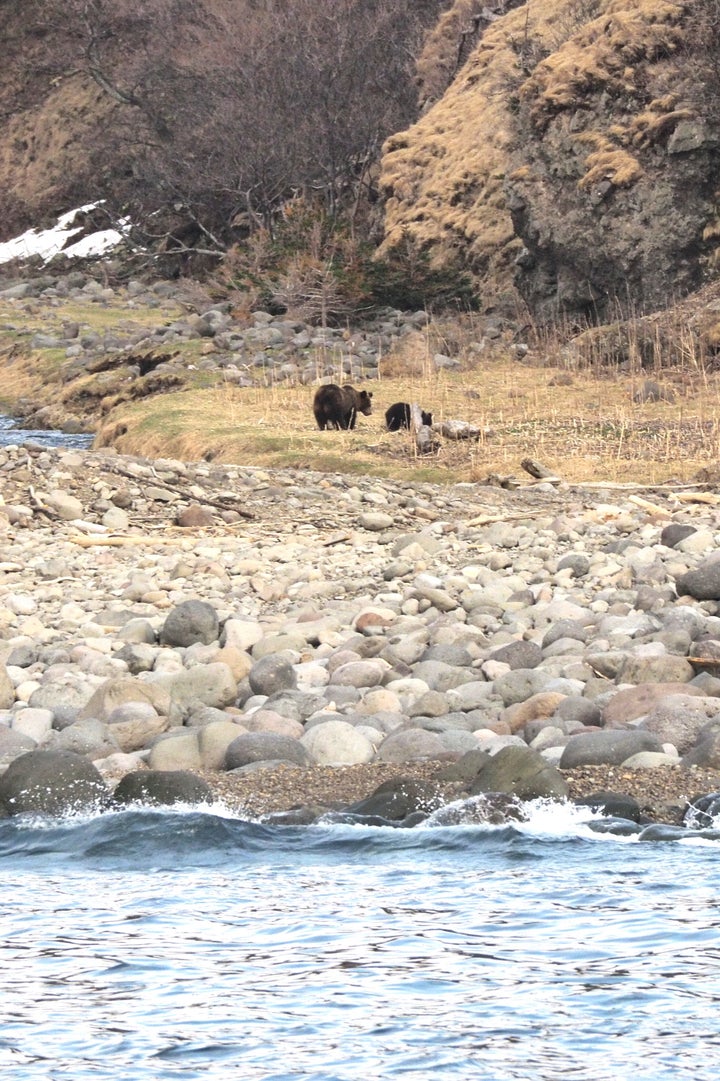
[229, 107]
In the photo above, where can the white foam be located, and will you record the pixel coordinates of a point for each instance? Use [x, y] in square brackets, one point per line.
[543, 819]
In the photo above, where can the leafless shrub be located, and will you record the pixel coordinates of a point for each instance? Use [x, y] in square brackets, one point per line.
[227, 108]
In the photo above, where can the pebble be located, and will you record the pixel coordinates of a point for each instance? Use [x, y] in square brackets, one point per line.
[191, 648]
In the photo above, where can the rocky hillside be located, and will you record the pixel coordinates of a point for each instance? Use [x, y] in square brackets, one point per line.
[566, 151]
[574, 152]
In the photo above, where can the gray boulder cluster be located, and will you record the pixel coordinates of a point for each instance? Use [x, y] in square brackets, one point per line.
[510, 647]
[147, 337]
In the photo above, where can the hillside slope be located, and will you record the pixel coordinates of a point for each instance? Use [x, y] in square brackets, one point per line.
[219, 111]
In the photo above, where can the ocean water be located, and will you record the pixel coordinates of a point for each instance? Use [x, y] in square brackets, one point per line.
[194, 944]
[10, 435]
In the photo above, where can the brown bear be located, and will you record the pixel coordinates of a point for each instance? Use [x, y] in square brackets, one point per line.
[398, 416]
[338, 407]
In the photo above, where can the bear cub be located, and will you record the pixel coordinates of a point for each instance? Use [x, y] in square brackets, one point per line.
[338, 407]
[398, 416]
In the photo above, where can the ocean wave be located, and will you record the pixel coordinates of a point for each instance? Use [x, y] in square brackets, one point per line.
[192, 835]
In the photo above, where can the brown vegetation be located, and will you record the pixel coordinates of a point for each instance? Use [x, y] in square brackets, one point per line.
[635, 401]
[222, 109]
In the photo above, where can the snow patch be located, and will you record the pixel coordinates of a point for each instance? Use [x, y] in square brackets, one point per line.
[48, 243]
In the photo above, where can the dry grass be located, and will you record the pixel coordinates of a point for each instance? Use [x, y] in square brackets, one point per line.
[590, 430]
[604, 53]
[43, 142]
[443, 178]
[573, 407]
[607, 161]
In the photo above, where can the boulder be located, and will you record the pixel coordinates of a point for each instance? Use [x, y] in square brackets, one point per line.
[52, 783]
[522, 772]
[272, 673]
[88, 737]
[14, 743]
[706, 752]
[213, 742]
[703, 581]
[160, 788]
[521, 683]
[117, 692]
[337, 743]
[67, 696]
[252, 747]
[362, 673]
[679, 723]
[408, 744]
[703, 812]
[190, 622]
[607, 747]
[135, 725]
[632, 702]
[612, 804]
[179, 749]
[467, 767]
[398, 798]
[519, 654]
[7, 690]
[486, 809]
[210, 684]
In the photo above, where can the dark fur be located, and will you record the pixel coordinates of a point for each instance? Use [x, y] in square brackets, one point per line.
[398, 416]
[338, 407]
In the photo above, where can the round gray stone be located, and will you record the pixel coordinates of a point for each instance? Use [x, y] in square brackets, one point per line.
[190, 622]
[264, 747]
[52, 783]
[271, 674]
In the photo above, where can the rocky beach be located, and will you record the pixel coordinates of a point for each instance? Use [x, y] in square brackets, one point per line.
[295, 643]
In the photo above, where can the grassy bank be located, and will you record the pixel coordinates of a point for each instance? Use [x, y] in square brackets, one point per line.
[591, 424]
[589, 430]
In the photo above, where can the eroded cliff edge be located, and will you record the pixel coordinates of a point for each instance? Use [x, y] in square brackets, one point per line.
[574, 153]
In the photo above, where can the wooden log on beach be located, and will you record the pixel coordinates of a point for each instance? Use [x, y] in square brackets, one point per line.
[539, 471]
[460, 429]
[425, 443]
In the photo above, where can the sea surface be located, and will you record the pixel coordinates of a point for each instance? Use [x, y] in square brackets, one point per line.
[191, 943]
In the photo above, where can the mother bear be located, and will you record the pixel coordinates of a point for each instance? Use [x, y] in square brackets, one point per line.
[338, 407]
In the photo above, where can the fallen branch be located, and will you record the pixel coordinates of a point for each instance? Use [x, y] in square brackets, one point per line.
[698, 497]
[628, 486]
[119, 542]
[651, 508]
[488, 519]
[337, 538]
[221, 504]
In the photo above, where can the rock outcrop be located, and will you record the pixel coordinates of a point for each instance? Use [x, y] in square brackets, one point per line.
[574, 154]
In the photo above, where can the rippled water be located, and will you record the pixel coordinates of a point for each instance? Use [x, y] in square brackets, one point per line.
[188, 944]
[10, 434]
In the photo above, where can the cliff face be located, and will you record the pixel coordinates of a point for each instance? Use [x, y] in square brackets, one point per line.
[575, 154]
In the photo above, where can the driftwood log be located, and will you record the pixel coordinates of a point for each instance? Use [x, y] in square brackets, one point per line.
[539, 471]
[191, 497]
[422, 433]
[460, 429]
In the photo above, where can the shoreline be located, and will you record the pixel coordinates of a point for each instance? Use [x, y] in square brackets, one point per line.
[287, 794]
[663, 794]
